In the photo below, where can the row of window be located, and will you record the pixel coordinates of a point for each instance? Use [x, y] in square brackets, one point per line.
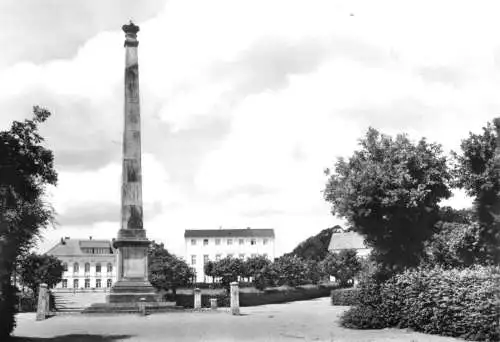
[76, 283]
[97, 250]
[230, 241]
[76, 267]
[219, 256]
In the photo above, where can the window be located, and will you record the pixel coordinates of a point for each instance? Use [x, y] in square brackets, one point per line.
[193, 259]
[193, 242]
[242, 256]
[76, 267]
[87, 267]
[65, 283]
[205, 242]
[217, 257]
[217, 241]
[229, 255]
[229, 242]
[265, 241]
[109, 283]
[109, 268]
[65, 266]
[87, 283]
[75, 283]
[241, 241]
[98, 283]
[205, 259]
[253, 242]
[98, 268]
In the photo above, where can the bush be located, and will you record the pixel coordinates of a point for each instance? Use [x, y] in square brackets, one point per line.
[460, 303]
[345, 297]
[7, 311]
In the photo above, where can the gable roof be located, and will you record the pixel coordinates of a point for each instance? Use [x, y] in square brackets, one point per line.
[346, 240]
[249, 232]
[74, 247]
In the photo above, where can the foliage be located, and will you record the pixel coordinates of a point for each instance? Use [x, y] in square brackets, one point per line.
[477, 171]
[461, 303]
[253, 265]
[7, 311]
[266, 277]
[36, 269]
[344, 266]
[290, 270]
[389, 192]
[348, 296]
[315, 247]
[26, 167]
[167, 271]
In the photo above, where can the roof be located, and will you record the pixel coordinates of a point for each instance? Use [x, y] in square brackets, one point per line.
[346, 240]
[249, 232]
[74, 246]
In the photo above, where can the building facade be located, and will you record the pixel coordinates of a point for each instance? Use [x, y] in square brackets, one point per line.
[348, 240]
[88, 264]
[202, 245]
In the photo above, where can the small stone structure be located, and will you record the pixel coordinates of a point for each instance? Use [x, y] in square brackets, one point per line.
[42, 310]
[235, 298]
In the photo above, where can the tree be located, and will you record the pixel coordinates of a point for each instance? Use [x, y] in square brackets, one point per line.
[36, 269]
[344, 266]
[315, 247]
[291, 270]
[167, 271]
[26, 168]
[253, 265]
[477, 170]
[389, 192]
[228, 269]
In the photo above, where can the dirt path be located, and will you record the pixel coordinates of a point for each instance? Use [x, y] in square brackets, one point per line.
[313, 320]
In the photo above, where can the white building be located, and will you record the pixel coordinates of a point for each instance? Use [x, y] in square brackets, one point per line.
[348, 240]
[88, 264]
[202, 245]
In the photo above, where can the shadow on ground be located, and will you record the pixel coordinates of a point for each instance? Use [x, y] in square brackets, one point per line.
[71, 338]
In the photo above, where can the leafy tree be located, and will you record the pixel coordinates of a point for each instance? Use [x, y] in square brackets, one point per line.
[209, 269]
[167, 271]
[477, 171]
[253, 265]
[291, 270]
[36, 269]
[389, 192]
[266, 277]
[315, 247]
[228, 269]
[26, 168]
[344, 266]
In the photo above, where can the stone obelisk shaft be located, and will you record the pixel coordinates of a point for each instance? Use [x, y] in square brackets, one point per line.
[132, 272]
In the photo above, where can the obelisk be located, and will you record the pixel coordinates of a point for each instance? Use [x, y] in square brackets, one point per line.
[132, 283]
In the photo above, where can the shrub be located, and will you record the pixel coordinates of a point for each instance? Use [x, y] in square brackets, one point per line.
[461, 303]
[345, 296]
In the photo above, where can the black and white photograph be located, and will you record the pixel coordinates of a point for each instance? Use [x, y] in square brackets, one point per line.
[235, 170]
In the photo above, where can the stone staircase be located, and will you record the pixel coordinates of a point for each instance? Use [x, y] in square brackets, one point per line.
[69, 302]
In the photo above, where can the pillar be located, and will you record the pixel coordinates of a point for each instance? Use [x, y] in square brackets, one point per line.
[41, 309]
[197, 298]
[235, 299]
[213, 303]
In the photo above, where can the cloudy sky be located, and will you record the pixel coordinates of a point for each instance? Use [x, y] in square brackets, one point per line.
[244, 103]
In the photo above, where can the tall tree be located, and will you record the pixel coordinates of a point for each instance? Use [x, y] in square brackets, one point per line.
[36, 269]
[26, 168]
[315, 247]
[477, 171]
[167, 271]
[389, 192]
[344, 266]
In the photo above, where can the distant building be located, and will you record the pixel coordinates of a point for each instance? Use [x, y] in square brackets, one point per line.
[203, 245]
[88, 264]
[348, 240]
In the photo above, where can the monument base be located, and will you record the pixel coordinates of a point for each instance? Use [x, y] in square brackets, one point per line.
[133, 291]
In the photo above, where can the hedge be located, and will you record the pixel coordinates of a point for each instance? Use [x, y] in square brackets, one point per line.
[345, 297]
[460, 303]
[268, 296]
